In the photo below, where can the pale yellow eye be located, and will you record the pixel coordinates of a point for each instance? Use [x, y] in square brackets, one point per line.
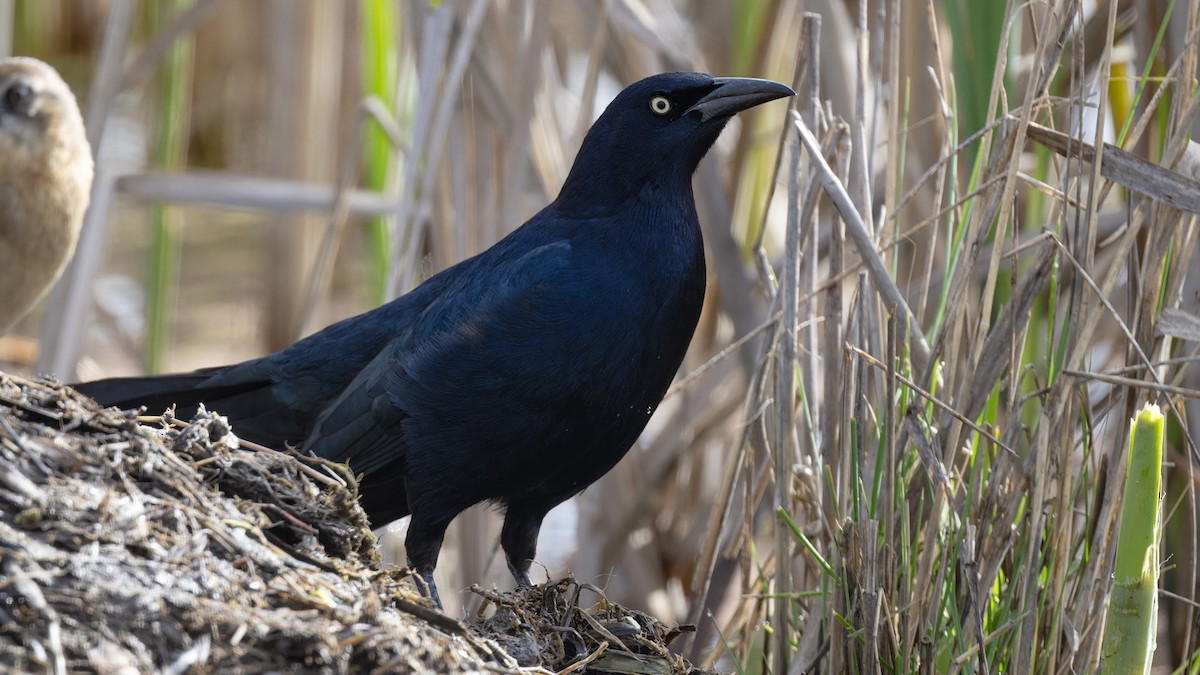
[660, 105]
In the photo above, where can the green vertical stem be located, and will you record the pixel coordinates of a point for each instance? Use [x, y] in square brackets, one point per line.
[1145, 78]
[747, 31]
[979, 25]
[380, 61]
[1133, 607]
[170, 151]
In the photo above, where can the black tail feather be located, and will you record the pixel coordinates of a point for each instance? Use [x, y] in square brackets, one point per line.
[156, 393]
[243, 402]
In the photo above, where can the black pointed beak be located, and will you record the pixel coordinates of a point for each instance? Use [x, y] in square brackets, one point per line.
[735, 94]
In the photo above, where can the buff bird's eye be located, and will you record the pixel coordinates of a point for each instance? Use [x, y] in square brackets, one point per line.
[16, 99]
[660, 105]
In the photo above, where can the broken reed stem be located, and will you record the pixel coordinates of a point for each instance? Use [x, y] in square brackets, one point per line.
[785, 409]
[864, 242]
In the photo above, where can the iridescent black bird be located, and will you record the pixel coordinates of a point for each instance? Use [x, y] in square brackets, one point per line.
[518, 376]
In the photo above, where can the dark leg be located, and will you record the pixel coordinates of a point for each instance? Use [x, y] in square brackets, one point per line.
[423, 543]
[519, 539]
[427, 577]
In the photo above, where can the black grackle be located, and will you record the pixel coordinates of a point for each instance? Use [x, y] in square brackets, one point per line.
[518, 376]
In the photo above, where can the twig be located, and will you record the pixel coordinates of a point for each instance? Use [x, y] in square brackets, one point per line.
[721, 355]
[857, 229]
[250, 445]
[932, 399]
[1137, 384]
[585, 660]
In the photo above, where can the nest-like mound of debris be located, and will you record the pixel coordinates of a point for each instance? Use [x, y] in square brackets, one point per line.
[546, 625]
[149, 544]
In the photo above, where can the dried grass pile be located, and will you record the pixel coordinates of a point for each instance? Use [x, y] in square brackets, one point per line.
[547, 625]
[134, 547]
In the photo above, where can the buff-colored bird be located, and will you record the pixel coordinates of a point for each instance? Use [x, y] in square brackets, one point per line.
[45, 180]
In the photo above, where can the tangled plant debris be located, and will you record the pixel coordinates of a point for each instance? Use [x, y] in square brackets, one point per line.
[547, 625]
[149, 544]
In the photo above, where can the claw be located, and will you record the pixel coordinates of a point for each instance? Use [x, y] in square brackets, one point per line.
[521, 575]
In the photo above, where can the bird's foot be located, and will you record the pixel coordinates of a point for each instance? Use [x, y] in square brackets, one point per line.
[521, 575]
[428, 588]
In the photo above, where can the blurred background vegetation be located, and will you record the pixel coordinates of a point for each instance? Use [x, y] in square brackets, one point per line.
[266, 167]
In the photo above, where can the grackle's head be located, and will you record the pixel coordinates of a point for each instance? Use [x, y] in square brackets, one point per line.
[656, 131]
